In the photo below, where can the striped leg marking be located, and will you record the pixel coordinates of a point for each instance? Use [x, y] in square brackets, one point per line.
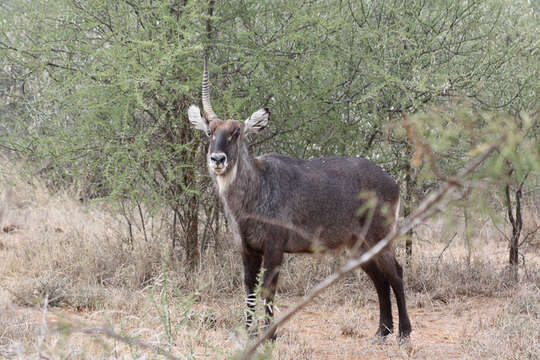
[251, 301]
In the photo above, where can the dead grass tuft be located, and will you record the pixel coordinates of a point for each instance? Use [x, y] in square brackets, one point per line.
[300, 273]
[288, 346]
[515, 334]
[450, 279]
[16, 328]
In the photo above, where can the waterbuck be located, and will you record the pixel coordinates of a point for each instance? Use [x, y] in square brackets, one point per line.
[277, 204]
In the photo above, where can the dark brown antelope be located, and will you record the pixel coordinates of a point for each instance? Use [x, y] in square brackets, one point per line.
[277, 204]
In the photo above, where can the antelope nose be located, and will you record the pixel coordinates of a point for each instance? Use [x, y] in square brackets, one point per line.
[219, 158]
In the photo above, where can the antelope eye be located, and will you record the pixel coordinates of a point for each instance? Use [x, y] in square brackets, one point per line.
[208, 133]
[234, 134]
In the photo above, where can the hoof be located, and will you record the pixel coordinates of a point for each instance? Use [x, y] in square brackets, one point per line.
[404, 334]
[272, 337]
[381, 335]
[404, 340]
[378, 340]
[383, 331]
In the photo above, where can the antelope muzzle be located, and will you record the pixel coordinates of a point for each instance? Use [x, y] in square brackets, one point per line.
[218, 162]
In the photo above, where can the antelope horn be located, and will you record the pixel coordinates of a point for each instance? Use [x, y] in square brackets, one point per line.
[207, 107]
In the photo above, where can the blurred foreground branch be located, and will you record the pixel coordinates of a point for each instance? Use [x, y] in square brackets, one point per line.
[435, 202]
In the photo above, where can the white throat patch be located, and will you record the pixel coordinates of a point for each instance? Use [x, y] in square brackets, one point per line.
[224, 181]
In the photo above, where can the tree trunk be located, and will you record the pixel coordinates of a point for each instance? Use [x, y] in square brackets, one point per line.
[192, 233]
[517, 223]
[410, 183]
[467, 235]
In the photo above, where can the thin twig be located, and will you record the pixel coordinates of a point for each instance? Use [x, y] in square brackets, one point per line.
[500, 231]
[526, 237]
[446, 247]
[142, 220]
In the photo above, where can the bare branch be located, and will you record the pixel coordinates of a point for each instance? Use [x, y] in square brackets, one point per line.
[500, 231]
[446, 247]
[508, 201]
[530, 233]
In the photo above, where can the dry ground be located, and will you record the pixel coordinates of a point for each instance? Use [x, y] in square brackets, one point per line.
[472, 328]
[107, 299]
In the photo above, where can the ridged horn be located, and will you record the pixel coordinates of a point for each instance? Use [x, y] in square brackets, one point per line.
[207, 107]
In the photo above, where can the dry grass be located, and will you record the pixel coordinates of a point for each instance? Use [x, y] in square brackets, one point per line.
[98, 283]
[514, 333]
[72, 254]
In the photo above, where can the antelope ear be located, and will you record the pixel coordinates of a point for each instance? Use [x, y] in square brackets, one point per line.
[257, 121]
[199, 122]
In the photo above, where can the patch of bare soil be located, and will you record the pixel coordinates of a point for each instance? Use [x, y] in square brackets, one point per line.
[346, 332]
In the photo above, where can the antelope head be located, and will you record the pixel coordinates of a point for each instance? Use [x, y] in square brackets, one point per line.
[225, 136]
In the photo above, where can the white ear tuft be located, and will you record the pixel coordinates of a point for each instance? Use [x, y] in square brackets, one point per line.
[194, 115]
[257, 121]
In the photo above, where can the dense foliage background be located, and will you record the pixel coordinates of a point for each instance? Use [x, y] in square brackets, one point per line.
[94, 95]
